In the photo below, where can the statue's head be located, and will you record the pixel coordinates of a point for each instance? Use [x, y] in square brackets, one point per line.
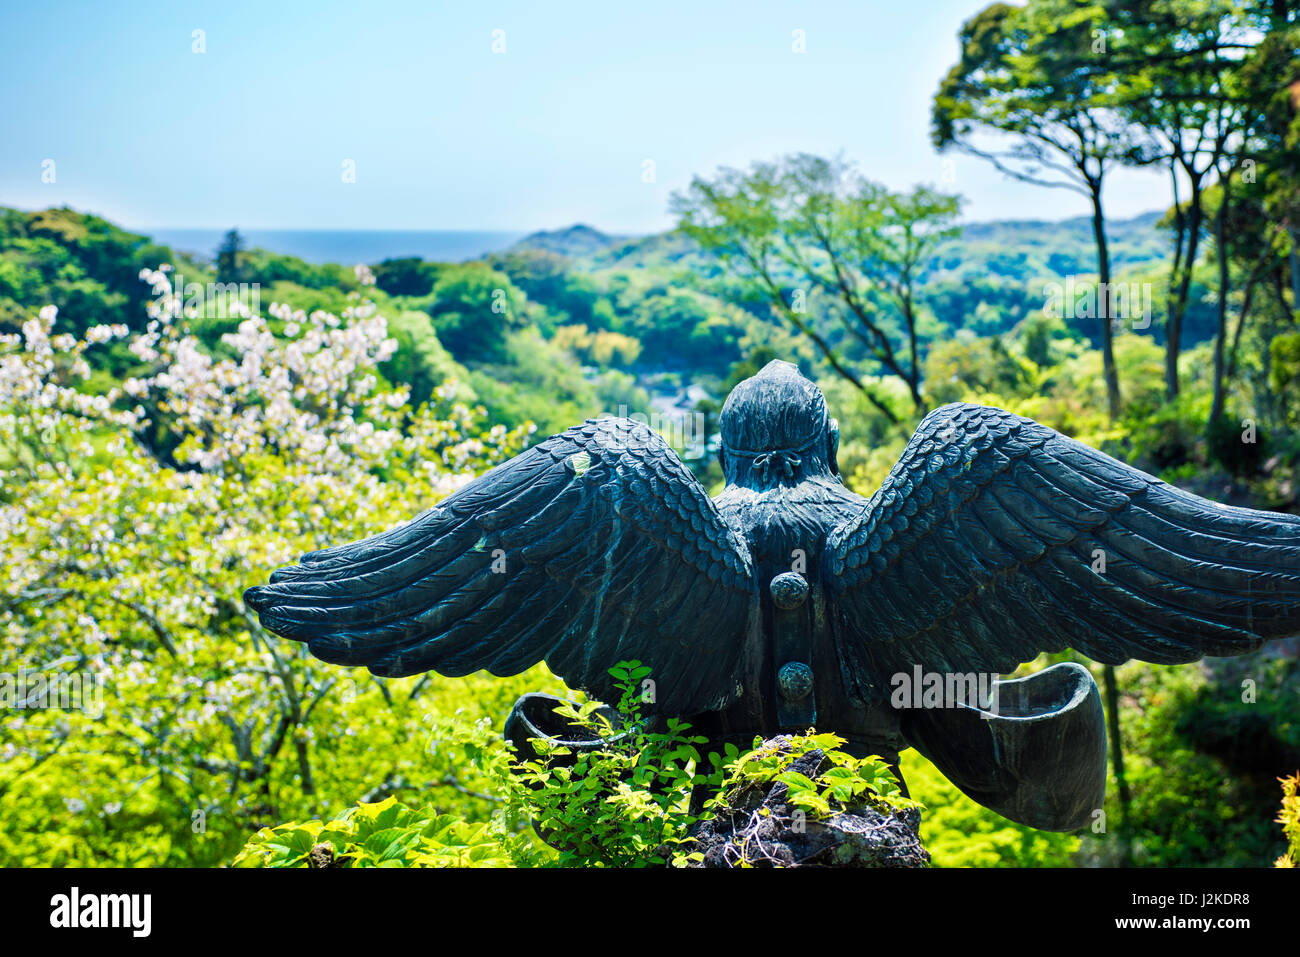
[776, 430]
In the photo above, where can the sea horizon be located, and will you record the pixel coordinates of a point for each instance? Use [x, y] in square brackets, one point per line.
[349, 247]
[346, 246]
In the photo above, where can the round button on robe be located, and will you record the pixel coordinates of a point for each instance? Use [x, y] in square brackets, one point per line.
[789, 590]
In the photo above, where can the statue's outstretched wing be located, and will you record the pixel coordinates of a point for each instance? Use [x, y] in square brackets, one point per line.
[592, 547]
[995, 538]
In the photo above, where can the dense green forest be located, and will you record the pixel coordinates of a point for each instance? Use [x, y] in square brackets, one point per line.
[173, 426]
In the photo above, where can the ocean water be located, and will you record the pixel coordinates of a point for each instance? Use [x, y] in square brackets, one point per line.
[347, 246]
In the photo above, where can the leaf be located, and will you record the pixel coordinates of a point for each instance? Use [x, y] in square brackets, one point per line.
[795, 780]
[841, 792]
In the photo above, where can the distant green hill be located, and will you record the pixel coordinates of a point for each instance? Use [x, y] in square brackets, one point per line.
[1014, 249]
[1029, 248]
[85, 265]
[575, 241]
[990, 278]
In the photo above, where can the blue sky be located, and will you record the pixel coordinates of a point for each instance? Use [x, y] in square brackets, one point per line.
[447, 134]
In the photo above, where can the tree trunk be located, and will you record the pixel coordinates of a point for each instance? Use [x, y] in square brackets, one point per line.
[1248, 296]
[914, 380]
[1221, 334]
[1117, 751]
[1295, 269]
[1174, 327]
[1103, 305]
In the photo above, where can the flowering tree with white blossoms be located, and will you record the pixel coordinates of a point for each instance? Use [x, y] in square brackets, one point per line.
[130, 524]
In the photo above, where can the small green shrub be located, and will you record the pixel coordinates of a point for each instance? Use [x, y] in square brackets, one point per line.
[1289, 818]
[846, 782]
[384, 834]
[625, 803]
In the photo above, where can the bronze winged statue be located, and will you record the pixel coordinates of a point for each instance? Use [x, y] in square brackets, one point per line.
[789, 601]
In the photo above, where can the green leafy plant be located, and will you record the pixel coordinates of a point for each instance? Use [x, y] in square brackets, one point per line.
[625, 802]
[847, 781]
[472, 824]
[1289, 818]
[383, 834]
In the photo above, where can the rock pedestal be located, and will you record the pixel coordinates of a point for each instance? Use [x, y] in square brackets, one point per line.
[758, 828]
